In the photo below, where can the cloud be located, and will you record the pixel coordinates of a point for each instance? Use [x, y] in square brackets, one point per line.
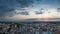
[58, 9]
[7, 7]
[41, 11]
[26, 3]
[38, 12]
[24, 13]
[21, 12]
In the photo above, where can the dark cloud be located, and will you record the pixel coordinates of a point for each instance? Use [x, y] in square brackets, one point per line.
[41, 11]
[58, 9]
[24, 13]
[21, 12]
[26, 3]
[38, 12]
[7, 7]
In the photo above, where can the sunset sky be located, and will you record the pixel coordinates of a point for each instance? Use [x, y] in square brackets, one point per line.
[26, 9]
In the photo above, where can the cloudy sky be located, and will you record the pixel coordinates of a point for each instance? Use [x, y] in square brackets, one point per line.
[26, 9]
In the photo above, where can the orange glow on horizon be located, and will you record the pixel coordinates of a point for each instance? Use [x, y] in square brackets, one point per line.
[46, 19]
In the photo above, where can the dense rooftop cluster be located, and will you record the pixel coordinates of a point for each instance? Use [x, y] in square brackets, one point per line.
[41, 28]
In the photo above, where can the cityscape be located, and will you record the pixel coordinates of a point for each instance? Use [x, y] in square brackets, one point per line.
[30, 28]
